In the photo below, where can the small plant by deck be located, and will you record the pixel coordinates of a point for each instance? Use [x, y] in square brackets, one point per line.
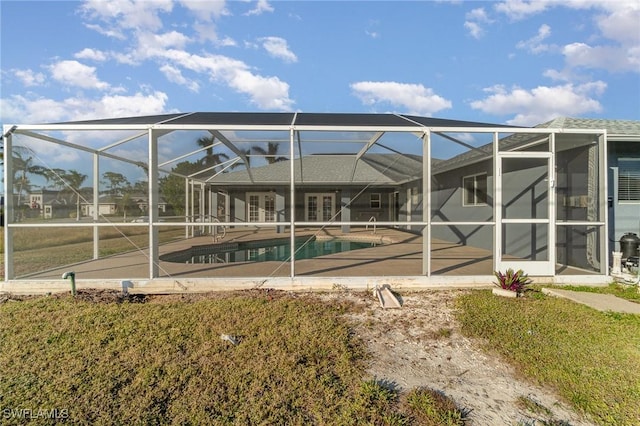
[511, 280]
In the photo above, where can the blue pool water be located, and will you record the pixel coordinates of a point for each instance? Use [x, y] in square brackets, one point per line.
[261, 251]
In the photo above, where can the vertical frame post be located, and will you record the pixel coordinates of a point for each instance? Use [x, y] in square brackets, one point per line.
[8, 203]
[426, 203]
[153, 205]
[603, 193]
[292, 205]
[497, 203]
[96, 205]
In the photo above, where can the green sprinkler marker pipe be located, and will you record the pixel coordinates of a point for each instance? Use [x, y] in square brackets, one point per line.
[72, 276]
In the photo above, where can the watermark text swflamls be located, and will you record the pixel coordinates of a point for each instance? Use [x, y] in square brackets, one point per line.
[40, 413]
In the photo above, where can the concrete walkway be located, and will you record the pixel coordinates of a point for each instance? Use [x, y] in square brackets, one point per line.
[601, 302]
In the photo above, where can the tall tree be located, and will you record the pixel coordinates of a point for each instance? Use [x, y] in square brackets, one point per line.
[115, 181]
[23, 167]
[271, 153]
[172, 186]
[246, 153]
[74, 181]
[55, 176]
[210, 158]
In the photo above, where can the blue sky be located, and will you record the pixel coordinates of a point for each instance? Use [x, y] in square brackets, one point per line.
[513, 62]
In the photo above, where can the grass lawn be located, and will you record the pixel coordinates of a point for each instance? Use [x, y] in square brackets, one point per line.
[165, 361]
[591, 358]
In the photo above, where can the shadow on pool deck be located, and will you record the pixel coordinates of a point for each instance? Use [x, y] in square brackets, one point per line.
[401, 256]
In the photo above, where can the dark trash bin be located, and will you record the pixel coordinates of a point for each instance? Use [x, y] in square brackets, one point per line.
[629, 244]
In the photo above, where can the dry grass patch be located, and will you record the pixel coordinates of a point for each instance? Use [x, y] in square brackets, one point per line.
[255, 357]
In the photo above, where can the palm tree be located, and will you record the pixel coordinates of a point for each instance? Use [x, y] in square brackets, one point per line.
[247, 164]
[74, 181]
[271, 153]
[22, 167]
[56, 176]
[210, 159]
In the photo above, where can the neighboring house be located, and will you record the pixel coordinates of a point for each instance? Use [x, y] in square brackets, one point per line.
[109, 205]
[49, 204]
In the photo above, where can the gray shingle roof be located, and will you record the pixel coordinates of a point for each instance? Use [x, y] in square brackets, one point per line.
[613, 127]
[376, 169]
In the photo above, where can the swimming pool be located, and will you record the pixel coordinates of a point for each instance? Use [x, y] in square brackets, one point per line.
[262, 251]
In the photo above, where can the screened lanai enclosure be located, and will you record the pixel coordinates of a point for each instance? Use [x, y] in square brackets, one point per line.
[200, 201]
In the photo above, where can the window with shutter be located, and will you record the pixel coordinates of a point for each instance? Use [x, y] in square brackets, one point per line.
[629, 179]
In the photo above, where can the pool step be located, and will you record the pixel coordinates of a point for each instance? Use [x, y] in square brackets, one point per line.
[386, 297]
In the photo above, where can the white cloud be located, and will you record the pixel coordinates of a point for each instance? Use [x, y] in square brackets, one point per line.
[473, 22]
[542, 103]
[150, 43]
[474, 29]
[29, 109]
[107, 31]
[520, 9]
[616, 48]
[169, 49]
[370, 31]
[262, 6]
[277, 47]
[611, 58]
[534, 44]
[206, 10]
[75, 74]
[268, 93]
[174, 75]
[556, 75]
[29, 77]
[207, 33]
[478, 14]
[264, 92]
[372, 34]
[127, 14]
[91, 54]
[622, 23]
[413, 98]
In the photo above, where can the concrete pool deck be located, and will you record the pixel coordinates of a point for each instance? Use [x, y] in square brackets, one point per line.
[398, 261]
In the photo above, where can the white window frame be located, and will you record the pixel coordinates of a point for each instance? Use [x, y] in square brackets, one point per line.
[475, 190]
[319, 207]
[626, 178]
[375, 201]
[264, 214]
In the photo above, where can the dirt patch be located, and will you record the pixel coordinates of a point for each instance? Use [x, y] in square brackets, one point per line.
[420, 345]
